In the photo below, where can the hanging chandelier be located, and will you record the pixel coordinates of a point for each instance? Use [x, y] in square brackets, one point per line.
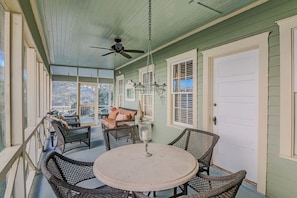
[147, 87]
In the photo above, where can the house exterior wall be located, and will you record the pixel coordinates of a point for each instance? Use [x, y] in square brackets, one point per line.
[281, 173]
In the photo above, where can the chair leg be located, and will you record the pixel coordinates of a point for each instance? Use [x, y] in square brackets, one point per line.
[184, 192]
[174, 191]
[154, 194]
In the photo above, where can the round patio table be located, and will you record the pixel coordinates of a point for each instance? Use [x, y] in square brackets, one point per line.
[127, 168]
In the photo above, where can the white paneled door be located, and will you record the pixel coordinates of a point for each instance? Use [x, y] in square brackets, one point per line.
[235, 112]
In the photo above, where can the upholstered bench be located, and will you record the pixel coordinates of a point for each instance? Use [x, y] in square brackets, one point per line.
[118, 118]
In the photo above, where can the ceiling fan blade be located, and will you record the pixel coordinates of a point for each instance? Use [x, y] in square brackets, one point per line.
[107, 53]
[101, 48]
[134, 51]
[125, 54]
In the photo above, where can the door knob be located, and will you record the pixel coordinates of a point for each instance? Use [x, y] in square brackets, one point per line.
[214, 119]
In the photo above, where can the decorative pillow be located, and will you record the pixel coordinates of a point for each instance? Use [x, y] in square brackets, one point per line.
[129, 116]
[62, 117]
[121, 117]
[113, 114]
[64, 124]
[113, 108]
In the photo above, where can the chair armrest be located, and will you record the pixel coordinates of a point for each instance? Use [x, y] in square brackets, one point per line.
[122, 121]
[82, 128]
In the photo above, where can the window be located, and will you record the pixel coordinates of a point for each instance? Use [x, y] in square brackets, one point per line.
[130, 91]
[2, 81]
[120, 90]
[25, 88]
[146, 77]
[64, 97]
[182, 92]
[2, 96]
[105, 97]
[182, 86]
[288, 87]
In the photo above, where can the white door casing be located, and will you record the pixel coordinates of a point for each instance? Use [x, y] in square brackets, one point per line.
[235, 98]
[259, 42]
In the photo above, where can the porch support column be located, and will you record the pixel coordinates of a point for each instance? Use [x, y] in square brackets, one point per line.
[31, 86]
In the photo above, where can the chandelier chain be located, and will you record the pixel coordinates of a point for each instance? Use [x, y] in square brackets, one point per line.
[150, 20]
[149, 50]
[150, 86]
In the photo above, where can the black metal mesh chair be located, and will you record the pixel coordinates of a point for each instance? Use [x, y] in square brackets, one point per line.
[200, 144]
[120, 136]
[64, 175]
[216, 186]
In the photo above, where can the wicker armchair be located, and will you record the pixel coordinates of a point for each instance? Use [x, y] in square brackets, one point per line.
[64, 175]
[216, 186]
[200, 144]
[70, 135]
[120, 136]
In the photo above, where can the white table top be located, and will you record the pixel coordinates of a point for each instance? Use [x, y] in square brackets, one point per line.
[127, 168]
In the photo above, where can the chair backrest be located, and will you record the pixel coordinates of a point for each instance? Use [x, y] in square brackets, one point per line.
[63, 173]
[218, 186]
[58, 127]
[118, 137]
[60, 135]
[199, 143]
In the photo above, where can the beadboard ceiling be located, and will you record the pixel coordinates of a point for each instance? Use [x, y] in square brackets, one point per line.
[69, 27]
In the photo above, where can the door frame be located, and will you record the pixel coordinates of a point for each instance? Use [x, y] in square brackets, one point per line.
[254, 42]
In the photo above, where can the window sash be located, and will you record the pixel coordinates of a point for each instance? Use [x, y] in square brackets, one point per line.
[182, 93]
[182, 74]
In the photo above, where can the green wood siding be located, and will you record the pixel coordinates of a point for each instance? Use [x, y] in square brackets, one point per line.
[281, 173]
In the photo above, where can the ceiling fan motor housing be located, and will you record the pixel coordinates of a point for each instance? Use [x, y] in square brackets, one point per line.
[118, 47]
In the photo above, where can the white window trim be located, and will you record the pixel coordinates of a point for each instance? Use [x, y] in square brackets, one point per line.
[181, 57]
[287, 120]
[149, 68]
[118, 78]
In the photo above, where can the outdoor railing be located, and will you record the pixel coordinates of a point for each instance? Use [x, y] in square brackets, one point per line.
[19, 163]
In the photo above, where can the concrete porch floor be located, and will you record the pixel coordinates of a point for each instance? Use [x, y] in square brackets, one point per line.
[42, 189]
